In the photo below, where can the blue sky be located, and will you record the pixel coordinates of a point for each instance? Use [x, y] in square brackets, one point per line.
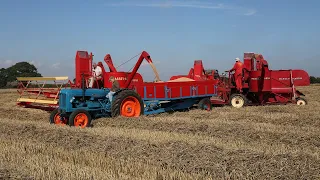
[175, 33]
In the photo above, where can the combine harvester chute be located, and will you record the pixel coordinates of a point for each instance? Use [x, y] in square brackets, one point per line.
[41, 92]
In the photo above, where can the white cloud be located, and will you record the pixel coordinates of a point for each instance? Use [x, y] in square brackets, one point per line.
[36, 63]
[189, 4]
[56, 65]
[9, 62]
[250, 12]
[6, 63]
[172, 4]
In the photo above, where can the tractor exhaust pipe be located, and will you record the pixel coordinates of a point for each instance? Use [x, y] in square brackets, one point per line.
[83, 86]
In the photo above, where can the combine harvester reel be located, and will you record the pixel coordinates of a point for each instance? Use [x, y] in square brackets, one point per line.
[40, 92]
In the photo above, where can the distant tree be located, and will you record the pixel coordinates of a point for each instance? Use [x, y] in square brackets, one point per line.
[21, 69]
[314, 80]
[3, 77]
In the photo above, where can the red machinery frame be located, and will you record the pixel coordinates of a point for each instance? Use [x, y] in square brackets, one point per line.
[263, 86]
[260, 84]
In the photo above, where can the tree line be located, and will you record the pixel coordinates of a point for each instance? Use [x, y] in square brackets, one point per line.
[8, 76]
[314, 80]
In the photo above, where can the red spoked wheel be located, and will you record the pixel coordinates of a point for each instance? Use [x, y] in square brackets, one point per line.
[55, 118]
[80, 118]
[130, 107]
[127, 103]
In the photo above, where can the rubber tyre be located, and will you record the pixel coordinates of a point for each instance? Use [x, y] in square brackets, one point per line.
[80, 118]
[54, 118]
[205, 104]
[122, 98]
[238, 100]
[301, 101]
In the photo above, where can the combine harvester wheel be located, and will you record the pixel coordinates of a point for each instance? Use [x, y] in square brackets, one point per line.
[301, 101]
[238, 100]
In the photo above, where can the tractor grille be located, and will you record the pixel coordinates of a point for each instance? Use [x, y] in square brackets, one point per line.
[62, 101]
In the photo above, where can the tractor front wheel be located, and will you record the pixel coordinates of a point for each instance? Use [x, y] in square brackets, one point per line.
[80, 118]
[301, 101]
[205, 104]
[238, 100]
[127, 103]
[56, 119]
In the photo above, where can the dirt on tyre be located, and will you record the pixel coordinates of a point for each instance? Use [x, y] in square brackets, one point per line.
[127, 103]
[80, 118]
[205, 104]
[55, 118]
[238, 100]
[301, 101]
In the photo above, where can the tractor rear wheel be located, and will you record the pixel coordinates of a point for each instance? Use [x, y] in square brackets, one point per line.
[238, 100]
[205, 104]
[80, 118]
[127, 103]
[55, 118]
[301, 101]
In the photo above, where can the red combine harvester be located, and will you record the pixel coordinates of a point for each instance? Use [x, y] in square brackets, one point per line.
[261, 85]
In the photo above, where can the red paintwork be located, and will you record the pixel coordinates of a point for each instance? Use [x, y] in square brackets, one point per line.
[83, 65]
[268, 86]
[109, 62]
[176, 89]
[197, 73]
[144, 55]
[134, 80]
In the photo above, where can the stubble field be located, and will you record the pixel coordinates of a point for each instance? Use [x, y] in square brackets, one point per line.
[270, 142]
